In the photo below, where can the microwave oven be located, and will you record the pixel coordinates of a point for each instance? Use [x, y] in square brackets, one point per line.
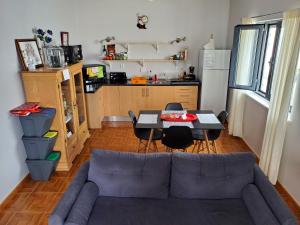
[117, 77]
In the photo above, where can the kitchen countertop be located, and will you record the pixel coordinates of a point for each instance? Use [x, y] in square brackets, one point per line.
[158, 83]
[151, 83]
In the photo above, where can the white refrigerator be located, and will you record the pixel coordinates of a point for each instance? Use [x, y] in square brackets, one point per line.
[214, 72]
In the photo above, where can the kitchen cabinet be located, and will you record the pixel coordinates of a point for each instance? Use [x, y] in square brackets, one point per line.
[111, 101]
[131, 98]
[95, 109]
[52, 89]
[159, 96]
[118, 100]
[138, 98]
[187, 96]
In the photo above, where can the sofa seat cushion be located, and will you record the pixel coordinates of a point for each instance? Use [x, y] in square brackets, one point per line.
[211, 176]
[137, 211]
[124, 174]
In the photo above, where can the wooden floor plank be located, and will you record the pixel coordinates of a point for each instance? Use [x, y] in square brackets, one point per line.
[33, 201]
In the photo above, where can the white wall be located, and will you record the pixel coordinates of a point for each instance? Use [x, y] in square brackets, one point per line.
[290, 166]
[88, 21]
[250, 8]
[17, 18]
[254, 123]
[168, 19]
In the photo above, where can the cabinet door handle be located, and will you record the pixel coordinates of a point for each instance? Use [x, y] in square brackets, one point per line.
[147, 91]
[143, 92]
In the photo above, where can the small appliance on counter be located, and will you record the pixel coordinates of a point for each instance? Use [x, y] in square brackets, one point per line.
[117, 77]
[93, 77]
[73, 53]
[190, 75]
[54, 57]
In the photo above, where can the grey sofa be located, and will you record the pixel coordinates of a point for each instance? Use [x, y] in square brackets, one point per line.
[116, 188]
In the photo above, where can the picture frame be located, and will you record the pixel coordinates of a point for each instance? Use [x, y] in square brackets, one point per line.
[64, 37]
[29, 54]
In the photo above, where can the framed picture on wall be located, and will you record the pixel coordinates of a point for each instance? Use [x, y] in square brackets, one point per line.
[64, 37]
[29, 53]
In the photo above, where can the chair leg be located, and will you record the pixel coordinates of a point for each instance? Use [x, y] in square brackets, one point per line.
[214, 146]
[138, 150]
[196, 143]
[155, 146]
[167, 149]
[200, 146]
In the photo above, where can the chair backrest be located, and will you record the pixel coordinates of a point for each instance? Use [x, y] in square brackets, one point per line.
[174, 106]
[215, 134]
[134, 122]
[132, 117]
[178, 137]
[223, 116]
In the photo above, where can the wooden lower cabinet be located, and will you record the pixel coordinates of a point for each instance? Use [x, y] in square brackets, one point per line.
[51, 89]
[117, 100]
[159, 96]
[187, 96]
[95, 108]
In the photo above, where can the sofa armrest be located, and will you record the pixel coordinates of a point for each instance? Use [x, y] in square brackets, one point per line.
[258, 209]
[80, 212]
[273, 199]
[65, 204]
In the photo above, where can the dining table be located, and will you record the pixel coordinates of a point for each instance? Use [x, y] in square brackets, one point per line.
[157, 123]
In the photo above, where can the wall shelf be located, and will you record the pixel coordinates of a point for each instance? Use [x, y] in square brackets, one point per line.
[154, 44]
[142, 62]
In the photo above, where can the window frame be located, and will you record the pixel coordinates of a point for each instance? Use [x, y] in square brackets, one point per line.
[268, 25]
[261, 47]
[234, 56]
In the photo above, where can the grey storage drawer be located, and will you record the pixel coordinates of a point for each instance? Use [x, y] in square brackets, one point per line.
[38, 147]
[41, 170]
[37, 124]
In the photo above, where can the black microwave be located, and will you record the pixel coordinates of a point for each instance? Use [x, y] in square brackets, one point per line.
[117, 77]
[73, 53]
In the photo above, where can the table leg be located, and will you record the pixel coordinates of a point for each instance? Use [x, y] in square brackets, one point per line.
[206, 140]
[149, 140]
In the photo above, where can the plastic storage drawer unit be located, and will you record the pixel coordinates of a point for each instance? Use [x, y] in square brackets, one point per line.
[39, 147]
[37, 124]
[41, 170]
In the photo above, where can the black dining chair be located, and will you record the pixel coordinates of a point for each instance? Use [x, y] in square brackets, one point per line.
[174, 106]
[212, 135]
[177, 137]
[143, 134]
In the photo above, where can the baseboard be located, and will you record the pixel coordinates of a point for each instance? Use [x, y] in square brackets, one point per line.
[280, 187]
[13, 193]
[250, 148]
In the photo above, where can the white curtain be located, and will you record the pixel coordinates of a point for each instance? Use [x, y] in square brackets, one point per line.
[281, 94]
[238, 97]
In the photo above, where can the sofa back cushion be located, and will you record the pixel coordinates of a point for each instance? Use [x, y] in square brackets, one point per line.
[124, 174]
[211, 176]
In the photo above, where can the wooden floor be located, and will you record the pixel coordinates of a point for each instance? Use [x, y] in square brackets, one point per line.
[32, 202]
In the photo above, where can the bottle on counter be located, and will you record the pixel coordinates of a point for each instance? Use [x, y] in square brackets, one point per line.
[104, 51]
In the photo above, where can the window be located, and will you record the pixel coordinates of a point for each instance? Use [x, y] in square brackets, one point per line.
[254, 56]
